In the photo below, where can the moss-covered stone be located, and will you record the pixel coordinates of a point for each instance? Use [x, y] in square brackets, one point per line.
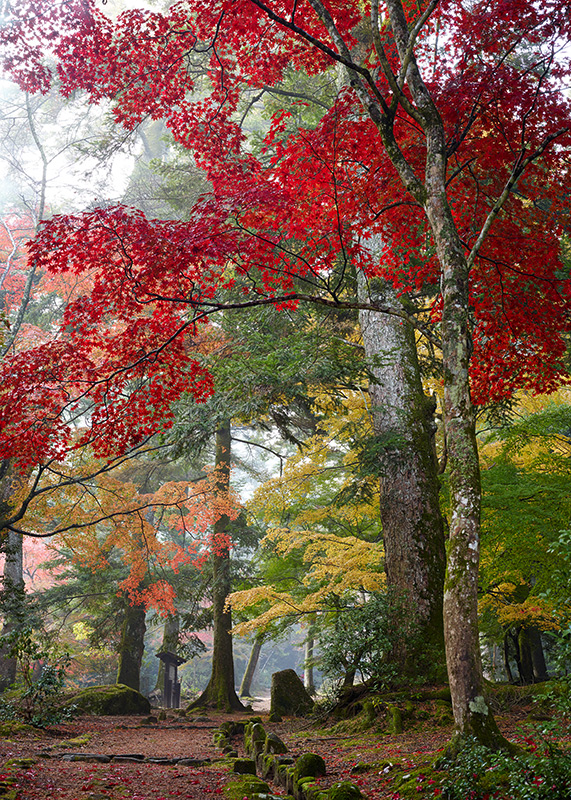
[288, 695]
[274, 744]
[78, 741]
[309, 765]
[13, 728]
[116, 700]
[248, 786]
[244, 766]
[344, 791]
[394, 719]
[19, 763]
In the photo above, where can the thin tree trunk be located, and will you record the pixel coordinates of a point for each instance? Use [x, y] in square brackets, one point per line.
[413, 530]
[308, 680]
[220, 691]
[131, 646]
[472, 715]
[246, 684]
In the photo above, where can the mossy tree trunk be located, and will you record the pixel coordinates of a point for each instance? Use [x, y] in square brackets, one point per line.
[220, 691]
[413, 529]
[539, 666]
[472, 715]
[428, 189]
[13, 589]
[131, 646]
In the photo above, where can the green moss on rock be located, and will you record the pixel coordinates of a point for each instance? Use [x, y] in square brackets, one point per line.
[344, 791]
[288, 695]
[309, 765]
[117, 700]
[244, 766]
[248, 786]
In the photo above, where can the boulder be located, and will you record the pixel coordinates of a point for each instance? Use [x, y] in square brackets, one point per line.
[117, 700]
[309, 765]
[288, 695]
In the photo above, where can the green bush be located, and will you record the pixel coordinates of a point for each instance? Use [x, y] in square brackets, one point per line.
[37, 701]
[476, 773]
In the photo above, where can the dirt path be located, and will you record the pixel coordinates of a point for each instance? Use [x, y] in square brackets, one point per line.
[46, 776]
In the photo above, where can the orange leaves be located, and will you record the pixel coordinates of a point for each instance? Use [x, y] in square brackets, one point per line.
[154, 535]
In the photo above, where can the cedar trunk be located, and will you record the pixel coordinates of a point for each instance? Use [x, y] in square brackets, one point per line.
[413, 530]
[131, 646]
[220, 691]
[13, 576]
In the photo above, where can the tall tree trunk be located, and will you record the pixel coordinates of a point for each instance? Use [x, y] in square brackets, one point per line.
[13, 578]
[507, 657]
[220, 691]
[308, 679]
[525, 664]
[131, 646]
[540, 673]
[413, 530]
[246, 685]
[472, 715]
[170, 642]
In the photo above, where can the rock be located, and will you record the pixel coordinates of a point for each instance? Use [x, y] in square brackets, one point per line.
[97, 757]
[114, 700]
[344, 791]
[247, 787]
[193, 762]
[288, 695]
[126, 760]
[274, 744]
[309, 765]
[244, 766]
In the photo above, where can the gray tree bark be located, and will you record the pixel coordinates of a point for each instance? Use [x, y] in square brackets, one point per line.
[413, 530]
[308, 677]
[246, 685]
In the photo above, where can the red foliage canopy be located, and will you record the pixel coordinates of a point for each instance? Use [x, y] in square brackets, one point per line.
[308, 204]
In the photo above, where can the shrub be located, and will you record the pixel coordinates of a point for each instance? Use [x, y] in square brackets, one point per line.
[35, 700]
[476, 773]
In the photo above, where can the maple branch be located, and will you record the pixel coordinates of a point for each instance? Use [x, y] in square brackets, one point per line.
[519, 167]
[341, 57]
[299, 95]
[11, 254]
[412, 37]
[262, 447]
[398, 94]
[38, 218]
[37, 490]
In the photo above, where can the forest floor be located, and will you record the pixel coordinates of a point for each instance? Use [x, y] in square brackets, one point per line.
[32, 758]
